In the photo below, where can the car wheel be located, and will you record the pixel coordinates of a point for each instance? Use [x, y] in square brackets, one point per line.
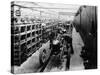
[43, 56]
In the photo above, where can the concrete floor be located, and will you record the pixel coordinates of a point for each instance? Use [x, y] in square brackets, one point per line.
[76, 63]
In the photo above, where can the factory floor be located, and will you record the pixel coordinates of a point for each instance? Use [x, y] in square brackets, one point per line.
[76, 61]
[32, 64]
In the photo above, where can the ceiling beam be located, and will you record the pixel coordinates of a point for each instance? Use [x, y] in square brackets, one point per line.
[39, 7]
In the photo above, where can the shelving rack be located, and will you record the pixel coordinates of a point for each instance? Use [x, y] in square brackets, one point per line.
[26, 38]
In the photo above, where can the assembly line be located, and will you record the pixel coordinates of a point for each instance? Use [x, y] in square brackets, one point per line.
[60, 38]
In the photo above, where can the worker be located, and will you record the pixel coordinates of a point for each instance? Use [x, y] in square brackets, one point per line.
[70, 51]
[51, 37]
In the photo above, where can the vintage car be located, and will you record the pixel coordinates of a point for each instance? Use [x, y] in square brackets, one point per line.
[45, 52]
[57, 46]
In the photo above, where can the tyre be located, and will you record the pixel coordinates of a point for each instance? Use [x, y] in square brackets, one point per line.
[44, 55]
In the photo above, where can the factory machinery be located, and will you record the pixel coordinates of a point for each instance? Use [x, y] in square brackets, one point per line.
[29, 32]
[85, 23]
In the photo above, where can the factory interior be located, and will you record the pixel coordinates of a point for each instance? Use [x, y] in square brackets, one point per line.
[47, 37]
